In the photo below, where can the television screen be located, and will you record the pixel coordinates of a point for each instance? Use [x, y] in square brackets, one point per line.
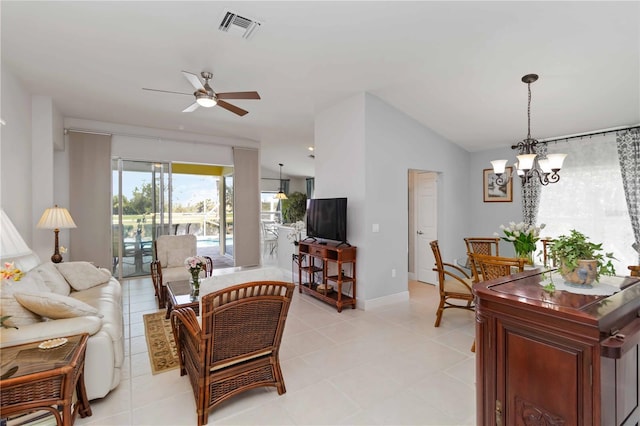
[327, 219]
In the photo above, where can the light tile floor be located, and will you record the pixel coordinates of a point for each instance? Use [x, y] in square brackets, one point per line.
[386, 366]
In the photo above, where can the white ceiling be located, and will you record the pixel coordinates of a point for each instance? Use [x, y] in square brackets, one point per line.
[453, 66]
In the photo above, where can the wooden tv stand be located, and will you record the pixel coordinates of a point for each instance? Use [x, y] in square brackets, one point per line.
[314, 263]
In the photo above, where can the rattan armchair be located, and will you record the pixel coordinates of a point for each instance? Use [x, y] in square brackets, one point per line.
[635, 270]
[453, 283]
[237, 347]
[496, 266]
[489, 246]
[170, 252]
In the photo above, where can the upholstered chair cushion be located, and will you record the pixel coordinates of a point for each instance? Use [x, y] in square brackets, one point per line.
[172, 250]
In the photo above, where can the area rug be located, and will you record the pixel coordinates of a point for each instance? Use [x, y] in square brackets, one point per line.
[160, 343]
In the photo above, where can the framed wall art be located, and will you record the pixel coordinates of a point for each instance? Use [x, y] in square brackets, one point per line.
[495, 193]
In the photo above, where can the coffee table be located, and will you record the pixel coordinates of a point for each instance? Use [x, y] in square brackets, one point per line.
[179, 296]
[34, 379]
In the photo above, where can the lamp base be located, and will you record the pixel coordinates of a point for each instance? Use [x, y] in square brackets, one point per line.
[56, 258]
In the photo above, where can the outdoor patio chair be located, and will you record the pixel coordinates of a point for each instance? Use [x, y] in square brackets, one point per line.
[237, 347]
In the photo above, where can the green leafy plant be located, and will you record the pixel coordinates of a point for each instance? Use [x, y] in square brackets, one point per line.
[568, 249]
[294, 208]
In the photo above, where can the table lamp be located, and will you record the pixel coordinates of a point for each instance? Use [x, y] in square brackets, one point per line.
[56, 218]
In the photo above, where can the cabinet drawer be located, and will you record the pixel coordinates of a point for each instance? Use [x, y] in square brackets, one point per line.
[318, 251]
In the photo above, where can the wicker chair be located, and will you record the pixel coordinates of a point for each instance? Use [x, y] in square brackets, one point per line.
[170, 252]
[237, 348]
[635, 270]
[452, 285]
[495, 266]
[481, 245]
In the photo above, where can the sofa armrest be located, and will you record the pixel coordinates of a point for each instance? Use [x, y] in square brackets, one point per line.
[49, 330]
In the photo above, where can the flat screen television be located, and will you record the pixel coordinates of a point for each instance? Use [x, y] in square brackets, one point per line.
[327, 219]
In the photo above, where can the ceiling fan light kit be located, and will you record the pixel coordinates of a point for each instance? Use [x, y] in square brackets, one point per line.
[207, 98]
[529, 164]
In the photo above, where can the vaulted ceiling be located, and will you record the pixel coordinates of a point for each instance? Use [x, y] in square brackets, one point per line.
[453, 66]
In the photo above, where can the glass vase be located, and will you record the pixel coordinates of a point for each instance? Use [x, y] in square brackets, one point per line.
[195, 284]
[526, 255]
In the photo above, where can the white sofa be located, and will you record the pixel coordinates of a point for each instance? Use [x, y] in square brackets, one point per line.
[66, 299]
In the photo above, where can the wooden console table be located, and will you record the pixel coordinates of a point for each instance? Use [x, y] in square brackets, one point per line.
[557, 358]
[313, 266]
[45, 379]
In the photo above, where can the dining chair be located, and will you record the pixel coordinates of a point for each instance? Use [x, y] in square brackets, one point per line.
[237, 346]
[635, 270]
[481, 245]
[494, 267]
[453, 284]
[269, 237]
[546, 245]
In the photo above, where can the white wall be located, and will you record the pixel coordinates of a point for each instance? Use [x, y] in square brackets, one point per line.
[364, 149]
[486, 218]
[15, 153]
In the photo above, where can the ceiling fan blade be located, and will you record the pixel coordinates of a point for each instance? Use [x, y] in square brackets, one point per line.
[238, 95]
[232, 108]
[194, 80]
[194, 106]
[167, 91]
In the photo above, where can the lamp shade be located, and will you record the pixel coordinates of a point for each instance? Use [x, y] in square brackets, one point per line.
[56, 218]
[499, 166]
[11, 243]
[281, 196]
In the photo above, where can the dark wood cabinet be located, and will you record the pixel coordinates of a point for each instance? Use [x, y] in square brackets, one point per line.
[556, 358]
[323, 271]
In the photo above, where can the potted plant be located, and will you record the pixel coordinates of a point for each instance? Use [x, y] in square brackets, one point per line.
[294, 208]
[581, 261]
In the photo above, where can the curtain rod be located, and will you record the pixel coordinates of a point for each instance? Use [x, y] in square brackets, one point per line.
[584, 135]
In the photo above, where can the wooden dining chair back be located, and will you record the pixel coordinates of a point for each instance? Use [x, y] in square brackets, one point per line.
[453, 284]
[546, 245]
[635, 270]
[496, 266]
[237, 347]
[489, 246]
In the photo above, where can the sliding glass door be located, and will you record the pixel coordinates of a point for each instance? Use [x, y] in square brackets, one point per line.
[139, 214]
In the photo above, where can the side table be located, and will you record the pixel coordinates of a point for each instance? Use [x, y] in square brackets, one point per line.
[179, 296]
[34, 379]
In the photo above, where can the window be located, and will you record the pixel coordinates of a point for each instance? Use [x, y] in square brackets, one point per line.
[270, 207]
[590, 198]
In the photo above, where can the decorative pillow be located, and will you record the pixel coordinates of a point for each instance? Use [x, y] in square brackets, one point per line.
[55, 306]
[52, 278]
[9, 306]
[83, 275]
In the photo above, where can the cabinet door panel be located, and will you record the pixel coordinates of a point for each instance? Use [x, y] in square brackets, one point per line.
[542, 379]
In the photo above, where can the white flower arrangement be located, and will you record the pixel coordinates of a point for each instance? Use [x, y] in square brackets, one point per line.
[523, 236]
[296, 235]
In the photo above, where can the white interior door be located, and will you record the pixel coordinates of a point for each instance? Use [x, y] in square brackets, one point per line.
[426, 225]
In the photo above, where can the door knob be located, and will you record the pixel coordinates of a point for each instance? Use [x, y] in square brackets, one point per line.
[420, 232]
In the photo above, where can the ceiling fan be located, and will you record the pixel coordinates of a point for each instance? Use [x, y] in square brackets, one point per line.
[206, 97]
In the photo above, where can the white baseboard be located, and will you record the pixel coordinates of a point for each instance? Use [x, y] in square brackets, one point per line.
[382, 301]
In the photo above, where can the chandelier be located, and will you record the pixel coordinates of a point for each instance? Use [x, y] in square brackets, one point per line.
[530, 165]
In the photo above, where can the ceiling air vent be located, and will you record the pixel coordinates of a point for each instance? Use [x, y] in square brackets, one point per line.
[233, 23]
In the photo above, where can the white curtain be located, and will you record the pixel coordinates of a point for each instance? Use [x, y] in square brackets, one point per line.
[590, 198]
